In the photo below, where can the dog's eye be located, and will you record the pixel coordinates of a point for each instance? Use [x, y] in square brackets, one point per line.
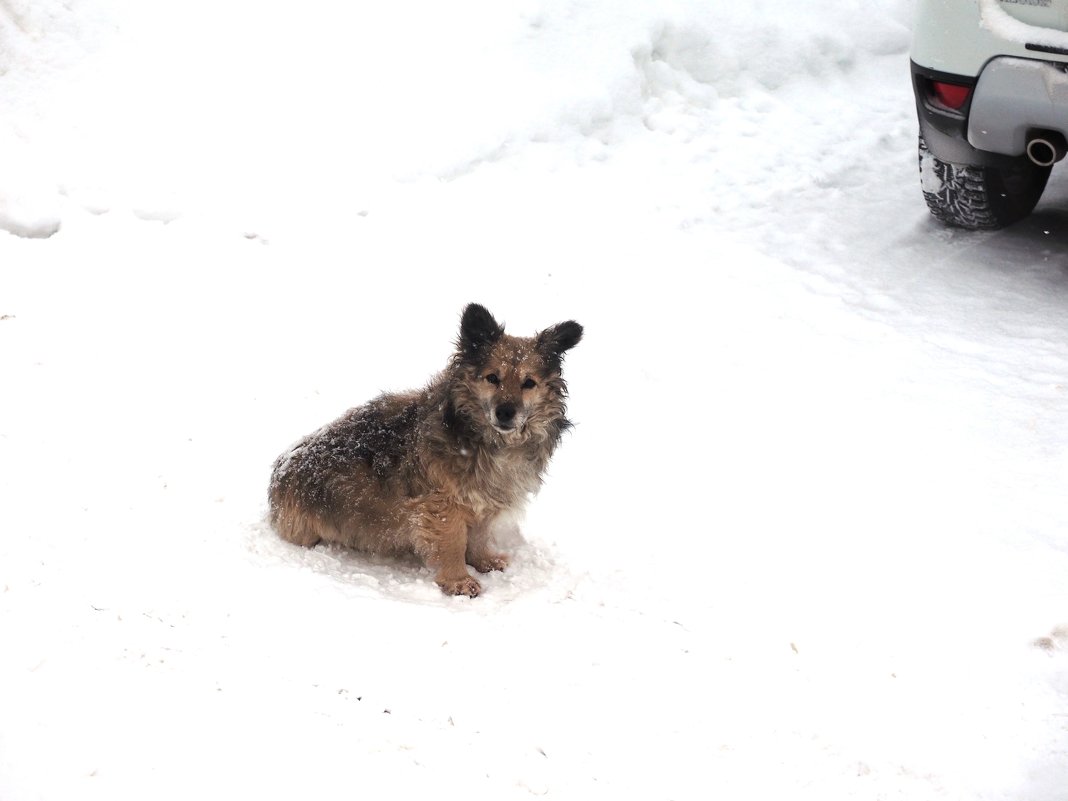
[530, 383]
[493, 379]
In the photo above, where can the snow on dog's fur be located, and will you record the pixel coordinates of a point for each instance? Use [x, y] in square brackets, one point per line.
[430, 471]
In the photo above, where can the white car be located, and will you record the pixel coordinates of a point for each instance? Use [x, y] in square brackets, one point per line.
[991, 84]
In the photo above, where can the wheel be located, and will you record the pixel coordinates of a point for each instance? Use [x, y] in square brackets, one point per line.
[980, 197]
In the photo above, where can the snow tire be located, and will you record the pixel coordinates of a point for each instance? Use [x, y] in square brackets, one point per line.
[980, 197]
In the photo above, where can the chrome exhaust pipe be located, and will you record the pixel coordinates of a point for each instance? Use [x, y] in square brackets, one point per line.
[1046, 148]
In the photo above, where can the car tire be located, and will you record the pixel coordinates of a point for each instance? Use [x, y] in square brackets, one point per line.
[980, 197]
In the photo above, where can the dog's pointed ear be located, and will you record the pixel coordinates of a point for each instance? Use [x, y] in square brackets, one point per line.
[478, 332]
[554, 342]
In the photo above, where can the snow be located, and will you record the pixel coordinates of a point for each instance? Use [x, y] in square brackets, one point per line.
[806, 539]
[929, 178]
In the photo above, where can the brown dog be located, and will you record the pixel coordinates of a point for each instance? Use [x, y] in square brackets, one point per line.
[431, 471]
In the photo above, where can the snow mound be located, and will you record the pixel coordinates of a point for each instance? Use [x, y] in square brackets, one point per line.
[39, 43]
[311, 136]
[28, 215]
[39, 35]
[29, 203]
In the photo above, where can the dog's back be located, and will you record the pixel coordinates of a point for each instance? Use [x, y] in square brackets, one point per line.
[347, 482]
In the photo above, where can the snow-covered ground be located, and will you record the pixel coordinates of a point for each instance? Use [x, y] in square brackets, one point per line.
[808, 539]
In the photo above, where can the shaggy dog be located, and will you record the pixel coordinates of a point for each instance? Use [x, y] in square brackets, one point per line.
[433, 471]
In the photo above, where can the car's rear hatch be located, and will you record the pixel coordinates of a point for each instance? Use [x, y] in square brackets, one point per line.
[1039, 13]
[959, 37]
[1041, 25]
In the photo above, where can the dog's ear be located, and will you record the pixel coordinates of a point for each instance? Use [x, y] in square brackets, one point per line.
[553, 342]
[478, 332]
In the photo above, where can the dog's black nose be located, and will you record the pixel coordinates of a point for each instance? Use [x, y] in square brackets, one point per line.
[505, 413]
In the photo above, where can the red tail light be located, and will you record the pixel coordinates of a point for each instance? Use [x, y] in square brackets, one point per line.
[950, 95]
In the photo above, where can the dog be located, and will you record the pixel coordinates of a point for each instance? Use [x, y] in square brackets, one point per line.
[433, 472]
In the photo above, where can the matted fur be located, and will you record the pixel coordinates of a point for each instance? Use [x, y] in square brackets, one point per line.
[430, 471]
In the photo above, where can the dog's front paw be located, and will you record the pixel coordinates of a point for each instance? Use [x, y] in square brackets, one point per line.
[460, 586]
[489, 562]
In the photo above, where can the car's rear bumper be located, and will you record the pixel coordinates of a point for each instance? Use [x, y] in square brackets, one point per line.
[1011, 99]
[1014, 98]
